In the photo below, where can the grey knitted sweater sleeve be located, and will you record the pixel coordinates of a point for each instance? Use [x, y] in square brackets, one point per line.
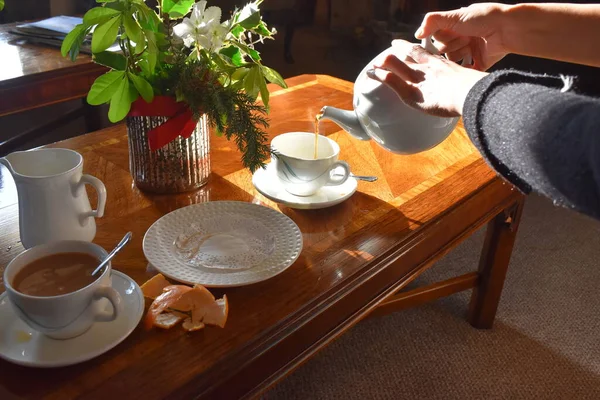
[538, 136]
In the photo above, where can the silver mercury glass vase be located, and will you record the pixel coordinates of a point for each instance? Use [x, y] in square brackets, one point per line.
[180, 166]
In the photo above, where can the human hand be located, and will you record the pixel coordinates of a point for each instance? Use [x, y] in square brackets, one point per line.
[425, 81]
[477, 30]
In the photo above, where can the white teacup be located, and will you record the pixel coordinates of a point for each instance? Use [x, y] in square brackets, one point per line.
[71, 314]
[297, 169]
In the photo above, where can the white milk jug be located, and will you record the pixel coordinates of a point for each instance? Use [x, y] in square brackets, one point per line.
[53, 203]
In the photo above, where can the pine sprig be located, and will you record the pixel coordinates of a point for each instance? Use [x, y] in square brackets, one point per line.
[229, 110]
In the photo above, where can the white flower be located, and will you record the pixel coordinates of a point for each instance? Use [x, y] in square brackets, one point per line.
[217, 36]
[202, 27]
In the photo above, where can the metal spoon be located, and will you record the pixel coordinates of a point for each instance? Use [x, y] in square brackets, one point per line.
[121, 244]
[361, 177]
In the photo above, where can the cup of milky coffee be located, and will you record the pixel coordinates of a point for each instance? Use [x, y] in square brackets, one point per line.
[51, 288]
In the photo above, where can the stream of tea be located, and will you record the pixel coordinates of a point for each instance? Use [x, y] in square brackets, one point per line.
[317, 119]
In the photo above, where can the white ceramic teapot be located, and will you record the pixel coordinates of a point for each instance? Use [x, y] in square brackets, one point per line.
[381, 115]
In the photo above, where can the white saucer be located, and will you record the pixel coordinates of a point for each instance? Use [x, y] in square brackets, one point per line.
[267, 184]
[22, 345]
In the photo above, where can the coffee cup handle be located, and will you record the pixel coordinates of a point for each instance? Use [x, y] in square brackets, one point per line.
[100, 190]
[428, 45]
[335, 181]
[115, 299]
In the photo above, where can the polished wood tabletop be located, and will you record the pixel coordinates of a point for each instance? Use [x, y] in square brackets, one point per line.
[356, 257]
[36, 75]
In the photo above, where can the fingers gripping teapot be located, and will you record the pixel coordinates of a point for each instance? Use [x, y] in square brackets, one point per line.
[381, 115]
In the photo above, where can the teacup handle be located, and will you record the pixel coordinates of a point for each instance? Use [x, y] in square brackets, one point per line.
[115, 299]
[335, 181]
[100, 190]
[428, 45]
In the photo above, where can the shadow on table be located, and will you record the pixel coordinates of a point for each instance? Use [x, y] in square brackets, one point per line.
[363, 227]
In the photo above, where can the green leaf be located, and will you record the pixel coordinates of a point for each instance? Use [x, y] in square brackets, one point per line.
[261, 29]
[176, 8]
[251, 52]
[144, 65]
[252, 21]
[239, 73]
[105, 1]
[74, 52]
[254, 55]
[143, 15]
[237, 31]
[99, 15]
[155, 21]
[222, 66]
[152, 51]
[264, 91]
[273, 76]
[147, 18]
[151, 38]
[119, 5]
[111, 59]
[234, 54]
[71, 38]
[251, 82]
[143, 87]
[1, 5]
[120, 102]
[132, 29]
[140, 46]
[104, 87]
[161, 41]
[152, 60]
[224, 80]
[105, 35]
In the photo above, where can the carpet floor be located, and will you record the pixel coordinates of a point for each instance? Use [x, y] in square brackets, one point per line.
[545, 343]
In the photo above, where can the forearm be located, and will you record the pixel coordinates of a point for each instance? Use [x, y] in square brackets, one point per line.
[565, 32]
[538, 137]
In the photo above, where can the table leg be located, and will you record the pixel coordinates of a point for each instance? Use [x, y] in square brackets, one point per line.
[493, 264]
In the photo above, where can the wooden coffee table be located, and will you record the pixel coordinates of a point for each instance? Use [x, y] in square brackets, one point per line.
[37, 75]
[357, 256]
[34, 75]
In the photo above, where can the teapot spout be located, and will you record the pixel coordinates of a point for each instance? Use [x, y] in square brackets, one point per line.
[347, 120]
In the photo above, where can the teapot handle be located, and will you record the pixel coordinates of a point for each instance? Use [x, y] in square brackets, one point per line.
[428, 45]
[100, 190]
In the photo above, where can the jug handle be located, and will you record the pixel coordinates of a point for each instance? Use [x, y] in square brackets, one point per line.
[100, 190]
[428, 45]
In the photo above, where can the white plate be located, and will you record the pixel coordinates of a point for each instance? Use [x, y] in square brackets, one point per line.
[22, 345]
[267, 184]
[223, 243]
